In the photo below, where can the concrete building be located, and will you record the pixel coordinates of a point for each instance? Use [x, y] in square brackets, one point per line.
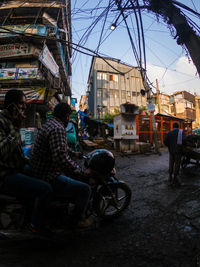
[164, 105]
[34, 56]
[184, 105]
[83, 104]
[112, 83]
[181, 104]
[196, 123]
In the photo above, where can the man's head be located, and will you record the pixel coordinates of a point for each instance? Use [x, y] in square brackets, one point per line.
[15, 103]
[62, 111]
[175, 125]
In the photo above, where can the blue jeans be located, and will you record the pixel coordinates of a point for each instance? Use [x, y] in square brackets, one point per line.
[76, 190]
[27, 188]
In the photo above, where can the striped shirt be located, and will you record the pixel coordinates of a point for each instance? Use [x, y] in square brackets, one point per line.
[11, 154]
[50, 156]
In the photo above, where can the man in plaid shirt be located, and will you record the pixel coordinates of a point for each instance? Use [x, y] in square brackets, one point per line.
[51, 160]
[12, 161]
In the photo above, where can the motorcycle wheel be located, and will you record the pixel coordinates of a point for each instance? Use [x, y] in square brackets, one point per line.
[113, 199]
[12, 217]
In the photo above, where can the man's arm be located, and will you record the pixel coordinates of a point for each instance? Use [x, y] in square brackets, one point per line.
[166, 140]
[9, 142]
[59, 149]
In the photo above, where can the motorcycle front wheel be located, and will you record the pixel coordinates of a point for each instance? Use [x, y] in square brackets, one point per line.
[113, 199]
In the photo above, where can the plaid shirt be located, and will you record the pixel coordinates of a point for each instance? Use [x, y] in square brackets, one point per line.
[11, 153]
[50, 156]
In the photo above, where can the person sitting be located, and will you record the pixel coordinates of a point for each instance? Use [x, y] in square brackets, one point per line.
[51, 160]
[14, 181]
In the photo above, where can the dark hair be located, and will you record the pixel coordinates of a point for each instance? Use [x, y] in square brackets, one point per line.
[61, 110]
[175, 125]
[13, 96]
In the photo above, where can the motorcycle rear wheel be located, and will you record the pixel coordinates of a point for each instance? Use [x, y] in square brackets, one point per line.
[113, 200]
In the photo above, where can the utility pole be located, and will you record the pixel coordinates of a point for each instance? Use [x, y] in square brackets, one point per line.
[153, 121]
[158, 96]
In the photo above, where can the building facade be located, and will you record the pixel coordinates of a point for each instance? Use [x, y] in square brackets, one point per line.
[83, 104]
[181, 104]
[163, 105]
[184, 105]
[34, 56]
[112, 83]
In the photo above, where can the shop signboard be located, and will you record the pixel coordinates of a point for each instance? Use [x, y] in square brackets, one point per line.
[14, 50]
[47, 59]
[18, 73]
[27, 73]
[26, 28]
[33, 94]
[62, 56]
[8, 74]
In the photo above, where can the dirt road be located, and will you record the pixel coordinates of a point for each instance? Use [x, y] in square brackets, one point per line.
[160, 228]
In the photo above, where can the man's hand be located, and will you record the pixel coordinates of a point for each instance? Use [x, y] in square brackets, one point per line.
[78, 155]
[17, 116]
[113, 172]
[89, 172]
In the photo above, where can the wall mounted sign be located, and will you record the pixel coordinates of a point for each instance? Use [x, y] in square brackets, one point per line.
[14, 50]
[18, 73]
[47, 59]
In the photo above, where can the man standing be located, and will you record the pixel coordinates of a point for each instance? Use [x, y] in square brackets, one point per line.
[174, 142]
[12, 161]
[51, 160]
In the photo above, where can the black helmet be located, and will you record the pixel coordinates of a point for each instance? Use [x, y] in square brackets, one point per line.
[100, 160]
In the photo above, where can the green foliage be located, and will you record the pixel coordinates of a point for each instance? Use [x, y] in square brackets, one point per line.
[141, 108]
[108, 117]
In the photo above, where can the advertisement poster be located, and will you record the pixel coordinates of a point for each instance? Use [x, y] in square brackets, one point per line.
[47, 59]
[14, 50]
[18, 73]
[10, 50]
[33, 94]
[26, 28]
[27, 73]
[8, 74]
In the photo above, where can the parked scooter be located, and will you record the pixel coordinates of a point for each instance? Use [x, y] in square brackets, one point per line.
[109, 198]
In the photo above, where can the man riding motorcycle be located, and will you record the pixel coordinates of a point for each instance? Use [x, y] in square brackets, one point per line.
[51, 161]
[12, 162]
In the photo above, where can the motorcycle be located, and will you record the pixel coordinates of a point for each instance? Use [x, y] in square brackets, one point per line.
[109, 198]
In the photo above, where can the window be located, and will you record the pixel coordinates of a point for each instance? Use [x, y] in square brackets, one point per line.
[113, 77]
[112, 99]
[105, 97]
[135, 93]
[101, 76]
[128, 93]
[99, 96]
[123, 95]
[116, 94]
[128, 96]
[102, 97]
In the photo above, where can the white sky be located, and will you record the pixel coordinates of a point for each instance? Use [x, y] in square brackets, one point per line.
[166, 61]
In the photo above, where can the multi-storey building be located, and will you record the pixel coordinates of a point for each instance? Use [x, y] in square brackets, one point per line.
[83, 105]
[184, 105]
[112, 83]
[163, 105]
[34, 51]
